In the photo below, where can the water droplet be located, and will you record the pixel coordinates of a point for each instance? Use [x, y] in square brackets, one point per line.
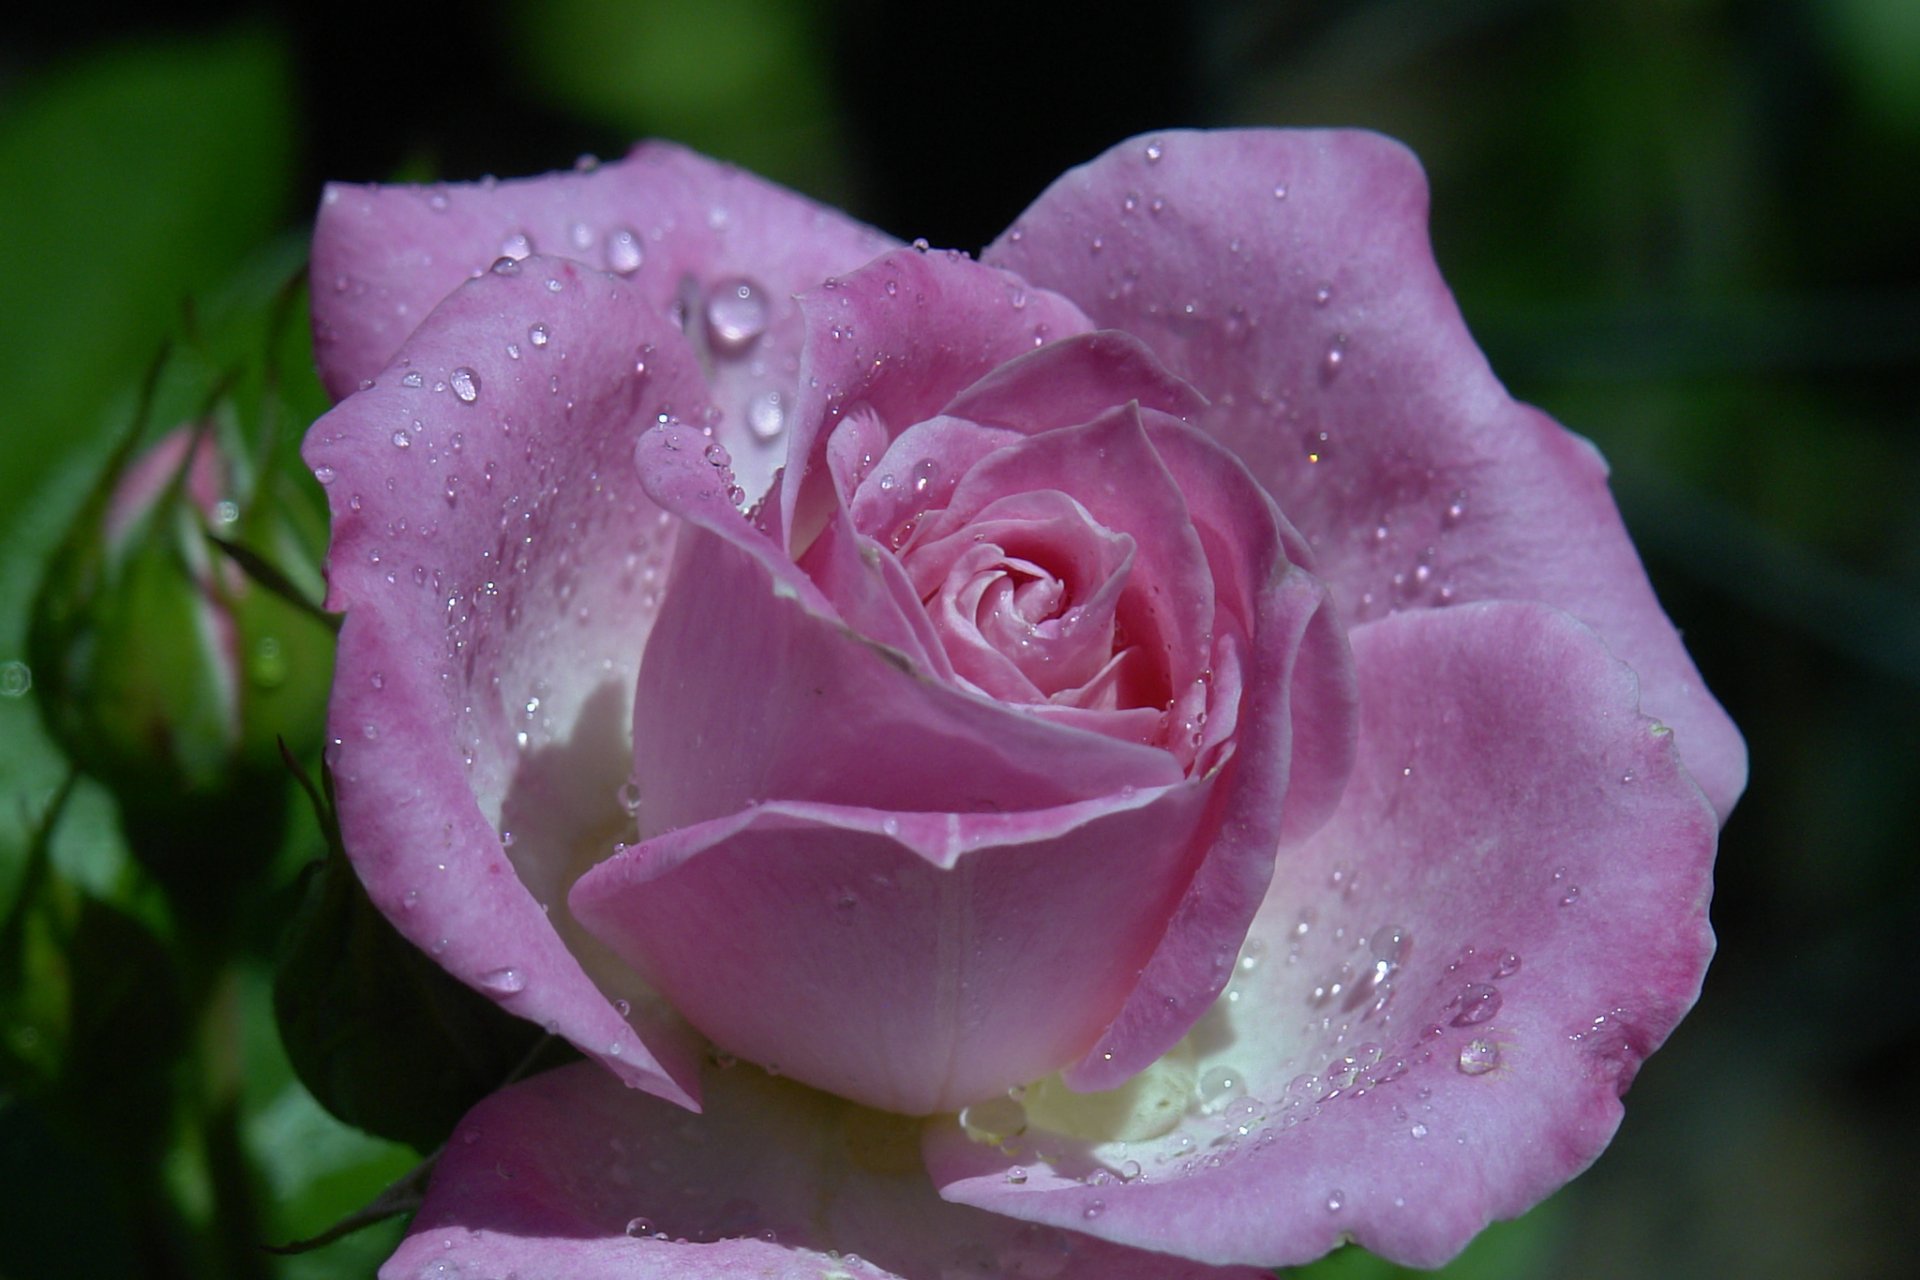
[1280, 191]
[539, 335]
[1323, 295]
[325, 475]
[1155, 149]
[1336, 1200]
[503, 982]
[1219, 1088]
[1336, 356]
[1252, 954]
[1508, 965]
[517, 245]
[924, 472]
[638, 1227]
[1315, 444]
[736, 315]
[505, 267]
[400, 440]
[1419, 1130]
[629, 796]
[465, 383]
[412, 378]
[766, 415]
[716, 455]
[624, 254]
[1477, 1057]
[1093, 1210]
[1016, 1175]
[1476, 1003]
[994, 1121]
[1571, 896]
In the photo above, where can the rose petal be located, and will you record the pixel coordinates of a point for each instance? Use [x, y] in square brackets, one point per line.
[1072, 381]
[910, 961]
[759, 692]
[1528, 858]
[570, 1177]
[499, 570]
[898, 339]
[686, 230]
[1298, 656]
[1288, 276]
[1111, 468]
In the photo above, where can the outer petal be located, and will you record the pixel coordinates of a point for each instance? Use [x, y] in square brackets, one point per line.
[1288, 276]
[915, 962]
[1449, 986]
[900, 338]
[499, 569]
[570, 1177]
[684, 229]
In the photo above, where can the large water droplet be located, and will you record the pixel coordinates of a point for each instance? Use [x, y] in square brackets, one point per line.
[1477, 1057]
[624, 254]
[766, 415]
[465, 383]
[994, 1121]
[1218, 1088]
[503, 982]
[736, 315]
[1476, 1003]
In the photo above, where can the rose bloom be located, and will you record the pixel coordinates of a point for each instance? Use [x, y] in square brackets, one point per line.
[1131, 756]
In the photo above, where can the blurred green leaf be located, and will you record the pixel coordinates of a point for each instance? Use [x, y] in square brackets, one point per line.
[746, 80]
[384, 1037]
[132, 179]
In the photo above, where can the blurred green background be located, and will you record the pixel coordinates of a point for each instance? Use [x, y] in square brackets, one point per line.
[1687, 228]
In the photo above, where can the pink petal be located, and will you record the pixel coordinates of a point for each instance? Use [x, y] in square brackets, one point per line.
[758, 691]
[1526, 857]
[910, 961]
[1299, 660]
[1288, 276]
[687, 231]
[898, 339]
[570, 1177]
[1072, 381]
[499, 569]
[1111, 468]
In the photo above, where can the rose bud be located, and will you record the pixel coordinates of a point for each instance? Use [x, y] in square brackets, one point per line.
[165, 673]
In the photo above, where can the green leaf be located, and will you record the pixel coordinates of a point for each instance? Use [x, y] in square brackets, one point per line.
[385, 1038]
[134, 178]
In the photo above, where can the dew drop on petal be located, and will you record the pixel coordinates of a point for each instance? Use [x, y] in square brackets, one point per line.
[1477, 1057]
[465, 383]
[503, 982]
[1219, 1088]
[624, 254]
[736, 315]
[766, 416]
[1476, 1003]
[994, 1121]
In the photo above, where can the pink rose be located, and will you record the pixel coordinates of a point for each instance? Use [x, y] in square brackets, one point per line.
[766, 642]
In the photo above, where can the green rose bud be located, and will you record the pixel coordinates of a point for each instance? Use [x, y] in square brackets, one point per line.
[171, 650]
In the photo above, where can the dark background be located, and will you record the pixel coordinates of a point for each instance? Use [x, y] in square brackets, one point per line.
[1685, 228]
